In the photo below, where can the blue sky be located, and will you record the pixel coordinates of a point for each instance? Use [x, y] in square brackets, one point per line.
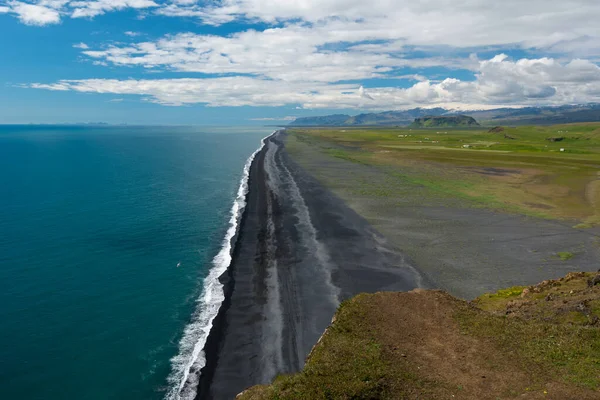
[268, 61]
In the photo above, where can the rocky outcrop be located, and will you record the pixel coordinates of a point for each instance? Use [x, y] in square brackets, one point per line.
[444, 122]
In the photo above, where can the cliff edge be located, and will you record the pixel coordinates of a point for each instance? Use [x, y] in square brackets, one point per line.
[537, 342]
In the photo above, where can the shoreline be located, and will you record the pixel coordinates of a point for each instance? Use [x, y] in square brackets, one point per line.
[298, 253]
[213, 341]
[196, 342]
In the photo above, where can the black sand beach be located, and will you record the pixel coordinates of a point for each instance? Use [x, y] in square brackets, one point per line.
[299, 252]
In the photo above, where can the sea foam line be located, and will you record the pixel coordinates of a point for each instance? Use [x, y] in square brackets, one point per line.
[191, 356]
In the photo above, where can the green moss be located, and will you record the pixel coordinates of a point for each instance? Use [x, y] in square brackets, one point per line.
[565, 255]
[496, 301]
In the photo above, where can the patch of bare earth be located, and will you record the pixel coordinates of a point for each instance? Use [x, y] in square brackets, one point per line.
[423, 336]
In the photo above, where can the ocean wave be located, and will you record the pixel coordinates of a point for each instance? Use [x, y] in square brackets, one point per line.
[186, 365]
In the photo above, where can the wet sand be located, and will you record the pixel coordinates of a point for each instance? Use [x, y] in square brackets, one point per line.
[300, 251]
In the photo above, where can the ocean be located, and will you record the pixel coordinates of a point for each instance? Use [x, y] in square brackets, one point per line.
[107, 239]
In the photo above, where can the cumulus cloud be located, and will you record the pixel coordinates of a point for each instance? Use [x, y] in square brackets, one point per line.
[537, 79]
[34, 14]
[498, 81]
[81, 45]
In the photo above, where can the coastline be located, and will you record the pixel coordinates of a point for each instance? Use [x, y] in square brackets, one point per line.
[196, 342]
[298, 253]
[219, 325]
[302, 246]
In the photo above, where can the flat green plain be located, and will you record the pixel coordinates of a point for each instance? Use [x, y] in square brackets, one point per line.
[543, 171]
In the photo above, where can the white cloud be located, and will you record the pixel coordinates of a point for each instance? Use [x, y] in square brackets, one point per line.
[81, 45]
[227, 91]
[498, 81]
[292, 53]
[90, 9]
[132, 34]
[34, 14]
[363, 93]
[46, 12]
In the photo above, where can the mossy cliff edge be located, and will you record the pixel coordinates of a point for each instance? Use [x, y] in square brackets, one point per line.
[537, 342]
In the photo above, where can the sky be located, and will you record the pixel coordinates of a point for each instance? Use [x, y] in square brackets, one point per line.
[242, 62]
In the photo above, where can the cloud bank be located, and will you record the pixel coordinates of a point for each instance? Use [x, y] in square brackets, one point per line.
[497, 81]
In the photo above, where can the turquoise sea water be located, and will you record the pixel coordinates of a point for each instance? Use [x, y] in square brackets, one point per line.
[93, 223]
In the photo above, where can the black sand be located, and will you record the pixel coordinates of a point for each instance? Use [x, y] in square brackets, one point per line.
[299, 252]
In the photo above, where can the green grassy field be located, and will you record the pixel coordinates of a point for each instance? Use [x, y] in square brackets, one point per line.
[549, 172]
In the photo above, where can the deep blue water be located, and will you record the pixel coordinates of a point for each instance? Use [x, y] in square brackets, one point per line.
[93, 222]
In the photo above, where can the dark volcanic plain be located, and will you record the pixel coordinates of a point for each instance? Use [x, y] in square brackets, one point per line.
[465, 250]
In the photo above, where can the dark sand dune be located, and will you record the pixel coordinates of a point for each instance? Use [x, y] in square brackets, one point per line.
[299, 252]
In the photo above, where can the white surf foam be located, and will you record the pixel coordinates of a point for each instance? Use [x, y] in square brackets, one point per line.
[186, 365]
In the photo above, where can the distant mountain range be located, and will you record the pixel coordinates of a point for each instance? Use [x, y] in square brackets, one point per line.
[500, 116]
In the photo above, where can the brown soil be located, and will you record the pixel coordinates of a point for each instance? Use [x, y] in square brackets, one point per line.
[424, 336]
[435, 349]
